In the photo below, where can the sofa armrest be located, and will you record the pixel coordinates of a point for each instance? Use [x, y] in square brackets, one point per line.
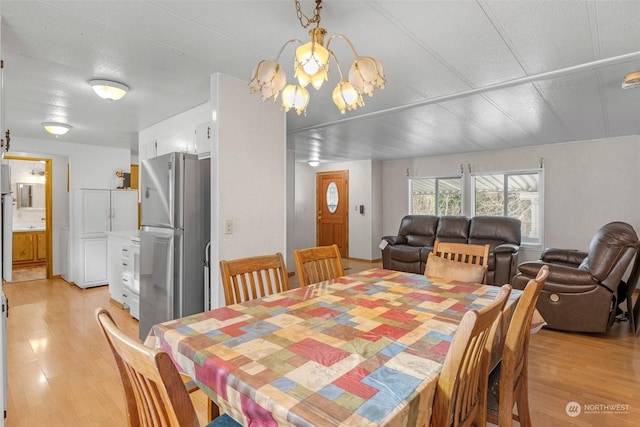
[570, 257]
[558, 273]
[395, 240]
[506, 247]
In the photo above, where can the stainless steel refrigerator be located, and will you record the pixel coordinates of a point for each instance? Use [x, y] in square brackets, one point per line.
[175, 192]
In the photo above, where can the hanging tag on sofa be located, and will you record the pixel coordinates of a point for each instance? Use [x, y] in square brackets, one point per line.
[383, 244]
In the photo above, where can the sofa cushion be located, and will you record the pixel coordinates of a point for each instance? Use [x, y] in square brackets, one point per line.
[453, 229]
[405, 253]
[454, 270]
[419, 230]
[494, 230]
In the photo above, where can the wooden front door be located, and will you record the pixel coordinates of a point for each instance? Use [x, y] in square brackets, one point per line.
[332, 202]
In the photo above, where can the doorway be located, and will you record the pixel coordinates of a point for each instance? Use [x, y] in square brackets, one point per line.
[31, 246]
[332, 202]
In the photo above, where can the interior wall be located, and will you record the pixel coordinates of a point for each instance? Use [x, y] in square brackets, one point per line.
[93, 167]
[587, 184]
[250, 152]
[361, 185]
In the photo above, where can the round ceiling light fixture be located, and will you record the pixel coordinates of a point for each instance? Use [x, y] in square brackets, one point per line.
[56, 128]
[109, 90]
[631, 80]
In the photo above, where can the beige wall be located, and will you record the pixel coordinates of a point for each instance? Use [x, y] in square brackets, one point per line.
[587, 184]
[248, 175]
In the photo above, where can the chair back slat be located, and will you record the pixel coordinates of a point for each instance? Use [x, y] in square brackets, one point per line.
[245, 279]
[460, 398]
[154, 391]
[462, 252]
[318, 264]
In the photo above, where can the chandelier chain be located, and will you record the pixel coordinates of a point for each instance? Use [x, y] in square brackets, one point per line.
[316, 14]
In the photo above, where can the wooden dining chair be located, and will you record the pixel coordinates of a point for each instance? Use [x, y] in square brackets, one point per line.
[461, 392]
[317, 264]
[508, 382]
[458, 261]
[154, 391]
[245, 279]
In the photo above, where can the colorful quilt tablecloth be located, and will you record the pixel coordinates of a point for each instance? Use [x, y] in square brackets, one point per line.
[361, 350]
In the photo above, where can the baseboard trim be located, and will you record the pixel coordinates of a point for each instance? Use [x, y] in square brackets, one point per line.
[365, 260]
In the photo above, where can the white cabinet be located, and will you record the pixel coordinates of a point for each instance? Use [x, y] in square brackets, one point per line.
[203, 140]
[116, 251]
[148, 150]
[124, 210]
[96, 212]
[93, 268]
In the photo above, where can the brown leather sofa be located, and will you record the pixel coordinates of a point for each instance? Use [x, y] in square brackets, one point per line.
[408, 250]
[580, 294]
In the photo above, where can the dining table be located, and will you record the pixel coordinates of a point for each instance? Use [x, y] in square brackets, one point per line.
[364, 349]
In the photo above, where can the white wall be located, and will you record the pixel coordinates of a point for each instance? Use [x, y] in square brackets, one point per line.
[364, 179]
[249, 179]
[176, 133]
[90, 166]
[587, 184]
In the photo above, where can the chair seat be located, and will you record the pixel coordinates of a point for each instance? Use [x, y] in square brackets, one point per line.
[224, 420]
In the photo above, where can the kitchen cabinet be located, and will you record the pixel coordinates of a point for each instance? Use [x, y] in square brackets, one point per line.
[203, 139]
[95, 213]
[29, 248]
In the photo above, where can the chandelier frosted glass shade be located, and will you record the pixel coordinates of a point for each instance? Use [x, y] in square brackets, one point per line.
[346, 97]
[296, 97]
[268, 79]
[366, 74]
[312, 60]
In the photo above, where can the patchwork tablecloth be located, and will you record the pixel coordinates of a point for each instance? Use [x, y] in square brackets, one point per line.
[361, 350]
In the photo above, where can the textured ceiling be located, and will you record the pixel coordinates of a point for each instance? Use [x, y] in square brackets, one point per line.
[462, 75]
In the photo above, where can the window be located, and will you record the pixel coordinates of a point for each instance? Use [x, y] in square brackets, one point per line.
[435, 196]
[513, 194]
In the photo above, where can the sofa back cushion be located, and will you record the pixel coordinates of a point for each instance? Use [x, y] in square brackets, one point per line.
[454, 270]
[454, 229]
[420, 230]
[494, 230]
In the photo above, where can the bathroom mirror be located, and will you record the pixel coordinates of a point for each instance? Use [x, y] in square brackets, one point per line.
[29, 195]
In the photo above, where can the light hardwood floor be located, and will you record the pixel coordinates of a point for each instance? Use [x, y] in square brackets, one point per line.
[61, 373]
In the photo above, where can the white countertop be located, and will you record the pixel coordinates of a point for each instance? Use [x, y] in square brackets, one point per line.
[27, 226]
[124, 234]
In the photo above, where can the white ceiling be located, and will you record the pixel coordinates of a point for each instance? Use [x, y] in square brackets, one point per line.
[461, 75]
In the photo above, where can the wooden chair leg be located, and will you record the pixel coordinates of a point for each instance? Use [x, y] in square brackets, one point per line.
[522, 402]
[212, 410]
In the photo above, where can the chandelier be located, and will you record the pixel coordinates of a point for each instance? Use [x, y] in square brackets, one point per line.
[311, 66]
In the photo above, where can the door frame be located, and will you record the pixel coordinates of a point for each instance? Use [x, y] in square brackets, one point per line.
[321, 197]
[48, 205]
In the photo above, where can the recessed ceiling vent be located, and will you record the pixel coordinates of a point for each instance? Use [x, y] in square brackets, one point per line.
[631, 80]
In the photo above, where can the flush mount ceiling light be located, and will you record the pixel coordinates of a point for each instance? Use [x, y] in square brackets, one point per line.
[109, 90]
[311, 65]
[313, 163]
[631, 80]
[56, 128]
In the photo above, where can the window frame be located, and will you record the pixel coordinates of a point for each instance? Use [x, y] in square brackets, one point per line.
[506, 174]
[437, 180]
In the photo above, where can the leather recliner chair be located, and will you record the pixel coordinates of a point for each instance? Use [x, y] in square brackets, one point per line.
[580, 294]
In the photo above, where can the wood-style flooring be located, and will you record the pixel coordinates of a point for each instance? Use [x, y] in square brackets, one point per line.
[61, 372]
[23, 274]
